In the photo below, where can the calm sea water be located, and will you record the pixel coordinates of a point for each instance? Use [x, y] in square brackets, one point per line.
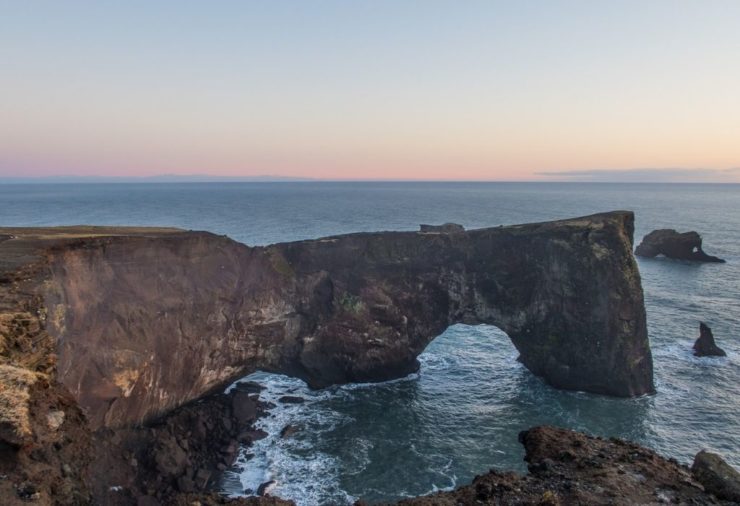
[461, 414]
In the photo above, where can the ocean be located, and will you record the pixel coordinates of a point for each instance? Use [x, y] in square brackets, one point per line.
[460, 415]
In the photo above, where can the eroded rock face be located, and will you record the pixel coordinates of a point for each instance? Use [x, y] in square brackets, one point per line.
[145, 321]
[182, 453]
[705, 345]
[668, 242]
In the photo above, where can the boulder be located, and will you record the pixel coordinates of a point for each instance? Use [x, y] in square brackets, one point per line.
[717, 476]
[672, 244]
[705, 345]
[243, 407]
[291, 399]
[169, 457]
[250, 436]
[288, 431]
[251, 387]
[55, 419]
[265, 488]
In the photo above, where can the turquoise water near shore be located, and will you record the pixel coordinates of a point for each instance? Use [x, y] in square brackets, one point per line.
[460, 415]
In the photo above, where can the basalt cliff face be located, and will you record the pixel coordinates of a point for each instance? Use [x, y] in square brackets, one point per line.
[134, 322]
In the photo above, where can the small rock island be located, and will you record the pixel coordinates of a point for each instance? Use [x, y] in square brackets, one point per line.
[705, 345]
[672, 244]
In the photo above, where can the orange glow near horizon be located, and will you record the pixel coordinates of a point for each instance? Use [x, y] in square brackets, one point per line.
[489, 91]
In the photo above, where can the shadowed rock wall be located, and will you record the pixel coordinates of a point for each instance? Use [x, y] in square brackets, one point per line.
[144, 323]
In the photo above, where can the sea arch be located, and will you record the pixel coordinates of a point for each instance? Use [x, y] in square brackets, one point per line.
[567, 294]
[144, 321]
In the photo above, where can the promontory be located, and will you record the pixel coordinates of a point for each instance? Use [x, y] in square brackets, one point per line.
[126, 324]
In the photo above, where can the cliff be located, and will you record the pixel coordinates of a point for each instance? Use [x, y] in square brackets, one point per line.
[135, 322]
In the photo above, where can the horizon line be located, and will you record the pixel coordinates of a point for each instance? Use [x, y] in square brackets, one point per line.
[680, 175]
[263, 180]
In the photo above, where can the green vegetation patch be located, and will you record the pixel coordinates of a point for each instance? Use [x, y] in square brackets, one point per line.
[280, 264]
[351, 303]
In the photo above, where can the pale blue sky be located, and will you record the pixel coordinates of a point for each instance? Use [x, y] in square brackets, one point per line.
[427, 89]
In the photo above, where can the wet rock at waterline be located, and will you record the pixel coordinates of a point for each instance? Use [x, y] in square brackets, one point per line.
[291, 399]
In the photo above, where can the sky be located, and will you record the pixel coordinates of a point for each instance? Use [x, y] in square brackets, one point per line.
[428, 89]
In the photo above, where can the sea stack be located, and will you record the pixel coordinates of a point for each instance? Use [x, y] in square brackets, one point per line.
[672, 244]
[705, 345]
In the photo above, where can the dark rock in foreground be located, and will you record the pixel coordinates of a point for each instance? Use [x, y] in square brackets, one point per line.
[567, 467]
[215, 499]
[717, 476]
[705, 345]
[668, 242]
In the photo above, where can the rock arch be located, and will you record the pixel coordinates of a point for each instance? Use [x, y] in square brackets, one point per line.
[143, 320]
[567, 293]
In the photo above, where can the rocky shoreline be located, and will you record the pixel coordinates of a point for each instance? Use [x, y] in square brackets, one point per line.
[182, 454]
[571, 468]
[177, 459]
[114, 340]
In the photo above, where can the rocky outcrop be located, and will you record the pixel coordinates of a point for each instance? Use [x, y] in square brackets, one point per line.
[717, 476]
[705, 345]
[567, 467]
[668, 242]
[49, 461]
[141, 320]
[177, 456]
